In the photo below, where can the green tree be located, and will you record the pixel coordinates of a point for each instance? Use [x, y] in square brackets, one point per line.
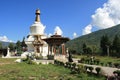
[11, 46]
[0, 45]
[23, 45]
[89, 50]
[84, 47]
[94, 49]
[19, 47]
[116, 45]
[104, 44]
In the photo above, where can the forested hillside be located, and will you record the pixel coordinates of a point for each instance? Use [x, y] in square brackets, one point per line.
[92, 40]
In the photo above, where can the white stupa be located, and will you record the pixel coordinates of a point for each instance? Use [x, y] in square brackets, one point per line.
[34, 41]
[37, 28]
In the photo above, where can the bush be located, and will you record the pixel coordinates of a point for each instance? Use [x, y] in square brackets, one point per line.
[50, 57]
[98, 69]
[73, 65]
[117, 72]
[29, 61]
[55, 61]
[116, 65]
[97, 61]
[73, 71]
[68, 64]
[81, 68]
[73, 68]
[62, 63]
[90, 68]
[82, 60]
[102, 63]
[110, 64]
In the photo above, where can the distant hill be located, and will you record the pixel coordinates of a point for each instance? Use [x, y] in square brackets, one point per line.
[5, 44]
[93, 39]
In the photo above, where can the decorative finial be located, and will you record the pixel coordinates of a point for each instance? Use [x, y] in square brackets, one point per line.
[37, 19]
[56, 33]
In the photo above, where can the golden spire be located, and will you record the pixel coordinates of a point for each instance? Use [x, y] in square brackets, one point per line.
[37, 19]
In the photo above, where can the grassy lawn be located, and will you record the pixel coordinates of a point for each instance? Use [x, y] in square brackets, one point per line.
[22, 71]
[104, 59]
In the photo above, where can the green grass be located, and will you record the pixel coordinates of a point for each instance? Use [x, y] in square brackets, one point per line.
[23, 71]
[104, 59]
[109, 59]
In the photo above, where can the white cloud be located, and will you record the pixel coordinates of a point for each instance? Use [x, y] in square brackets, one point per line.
[108, 15]
[87, 29]
[74, 35]
[105, 17]
[5, 39]
[49, 34]
[58, 31]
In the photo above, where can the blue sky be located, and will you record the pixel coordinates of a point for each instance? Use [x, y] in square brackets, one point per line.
[72, 16]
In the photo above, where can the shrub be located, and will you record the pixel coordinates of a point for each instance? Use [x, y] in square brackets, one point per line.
[91, 63]
[102, 63]
[73, 68]
[68, 64]
[86, 67]
[82, 60]
[111, 78]
[50, 57]
[29, 61]
[98, 69]
[74, 65]
[116, 65]
[117, 72]
[55, 61]
[110, 64]
[81, 68]
[61, 63]
[38, 57]
[87, 61]
[97, 61]
[90, 68]
[73, 71]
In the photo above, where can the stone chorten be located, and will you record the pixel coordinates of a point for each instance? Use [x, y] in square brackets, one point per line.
[34, 41]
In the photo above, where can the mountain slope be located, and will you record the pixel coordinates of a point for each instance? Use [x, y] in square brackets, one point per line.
[93, 39]
[5, 44]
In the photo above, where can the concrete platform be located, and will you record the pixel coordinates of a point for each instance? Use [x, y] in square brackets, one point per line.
[44, 61]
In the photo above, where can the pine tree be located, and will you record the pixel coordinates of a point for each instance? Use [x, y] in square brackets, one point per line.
[11, 46]
[84, 47]
[23, 43]
[104, 44]
[116, 45]
[19, 47]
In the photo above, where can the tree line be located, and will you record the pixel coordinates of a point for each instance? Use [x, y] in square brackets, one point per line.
[19, 46]
[107, 47]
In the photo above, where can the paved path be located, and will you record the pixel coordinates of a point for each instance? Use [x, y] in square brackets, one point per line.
[107, 71]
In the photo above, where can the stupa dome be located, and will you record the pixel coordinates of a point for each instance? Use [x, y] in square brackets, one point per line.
[37, 28]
